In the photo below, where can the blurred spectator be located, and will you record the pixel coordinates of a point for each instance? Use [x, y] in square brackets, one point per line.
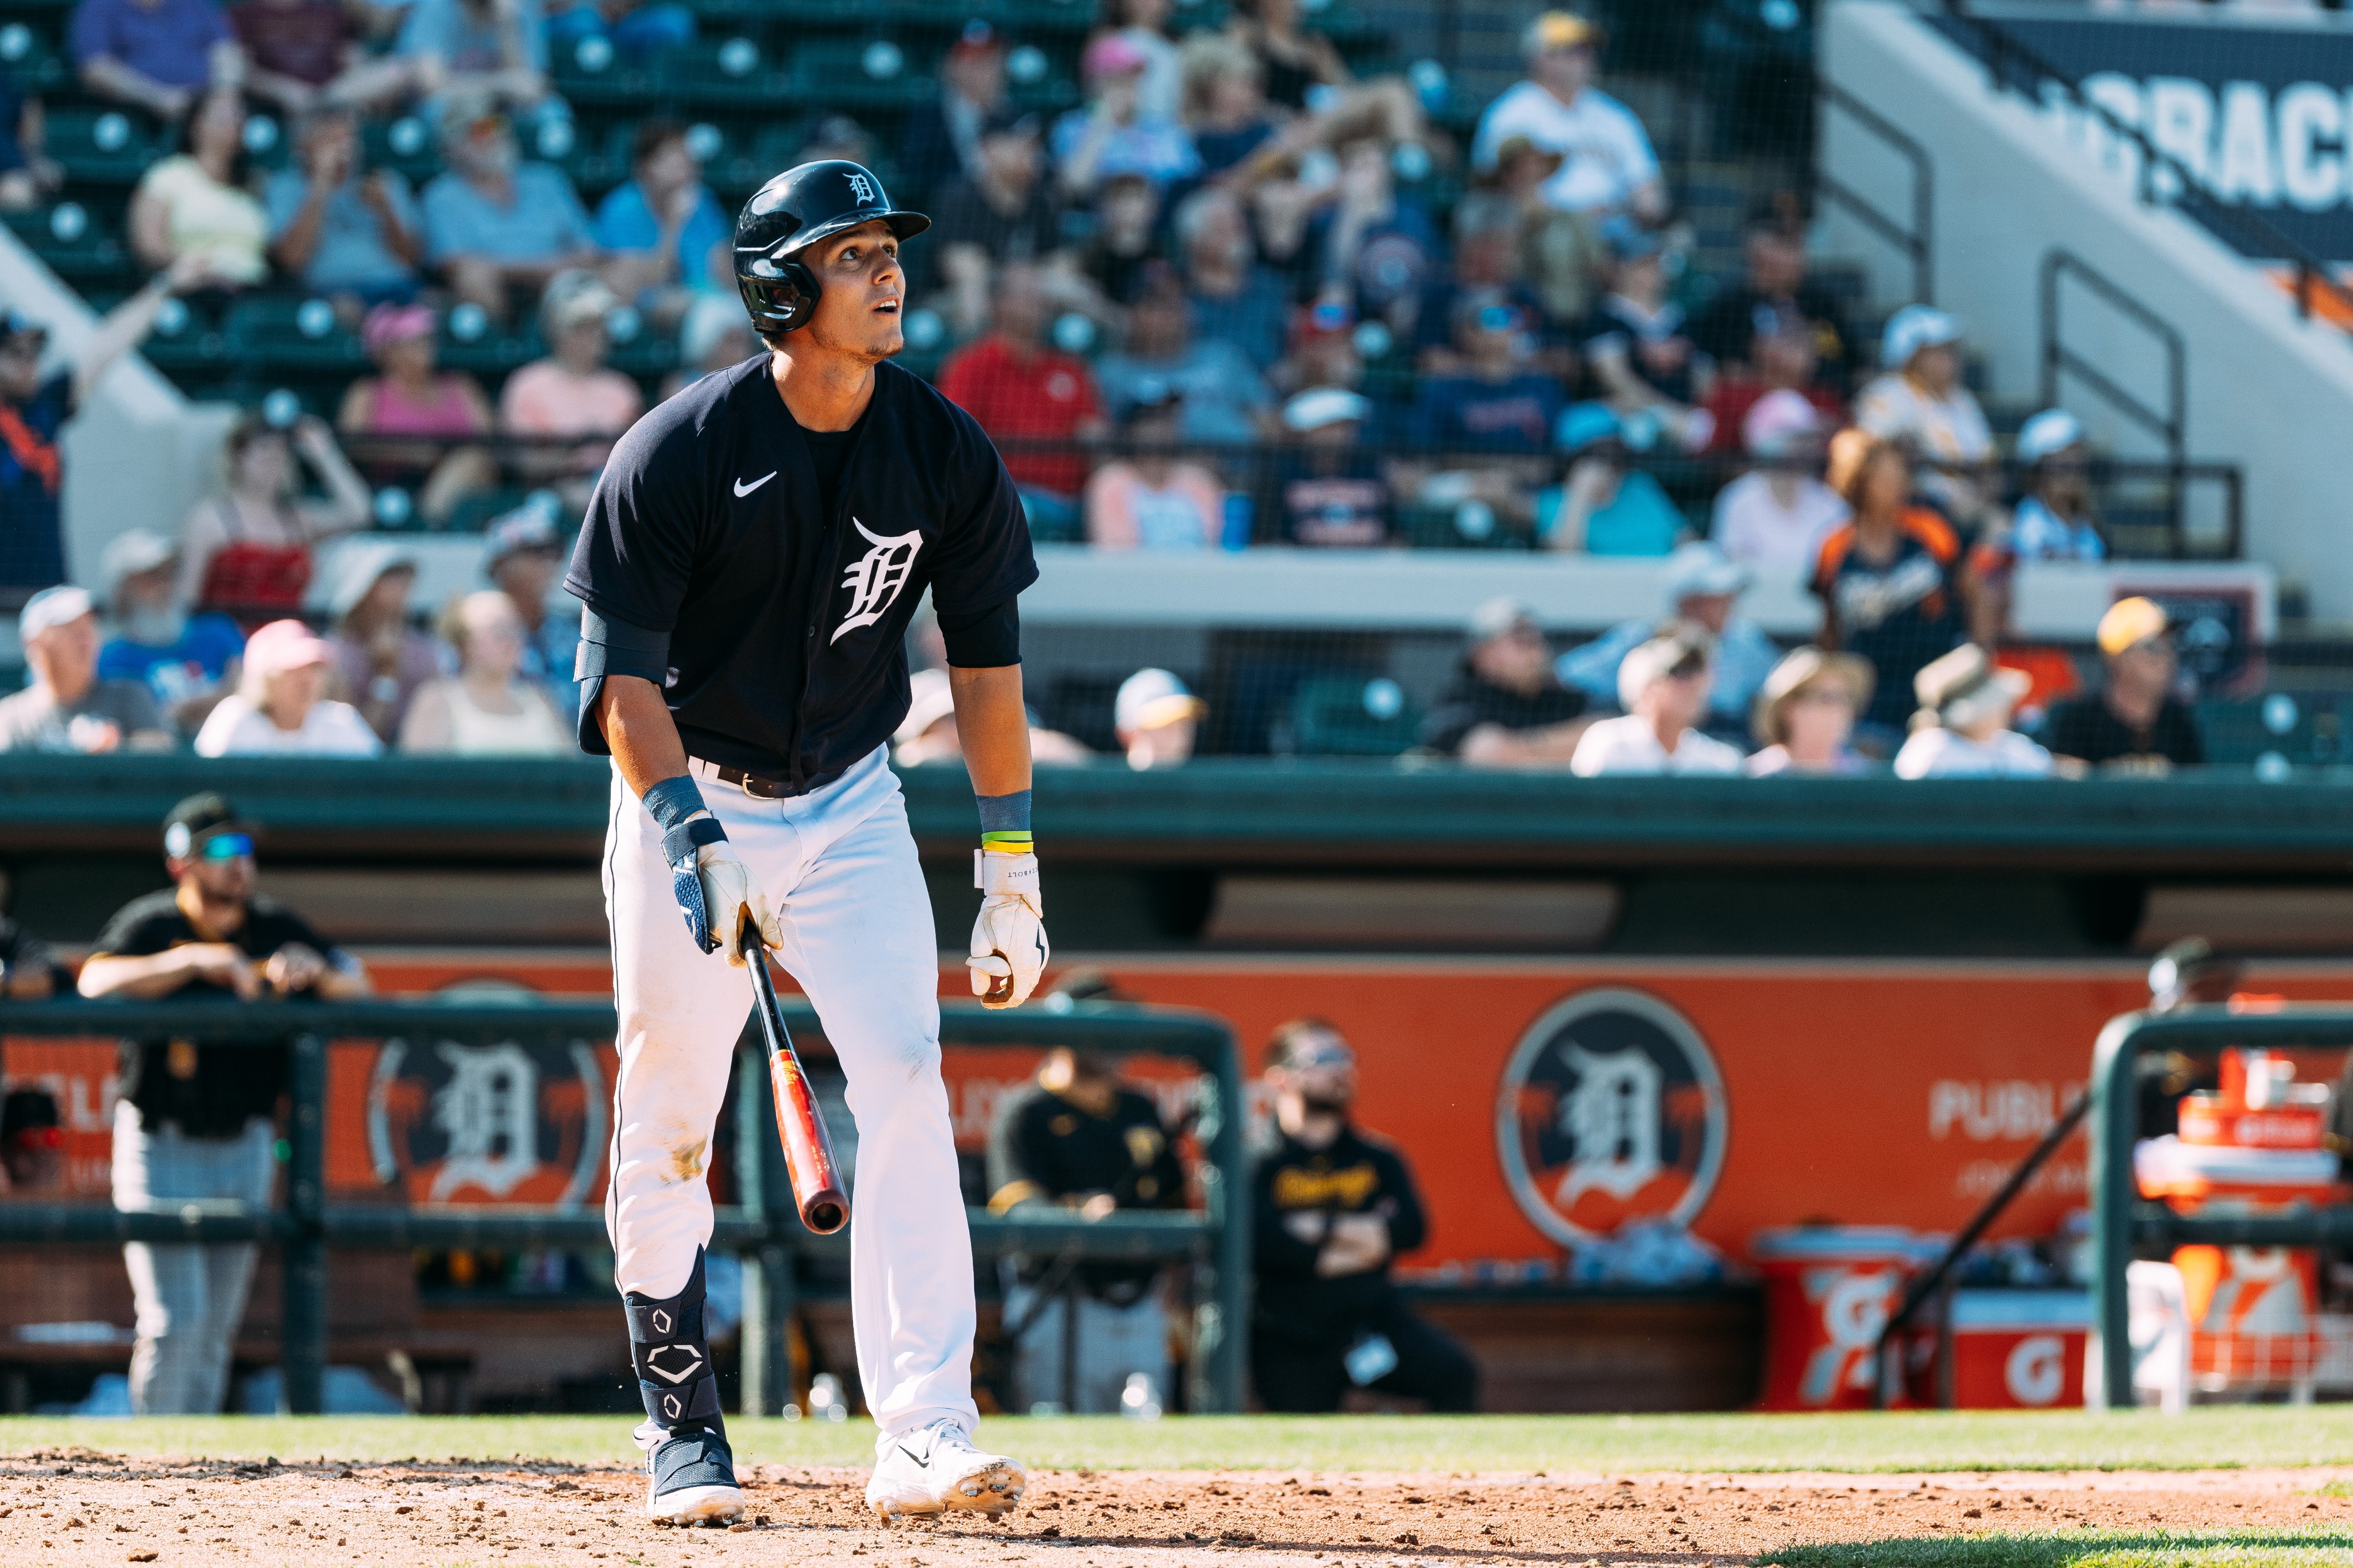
[1602, 507]
[572, 392]
[1377, 249]
[1781, 361]
[66, 707]
[279, 707]
[247, 550]
[494, 224]
[340, 231]
[1155, 716]
[185, 662]
[1919, 400]
[2136, 723]
[1606, 162]
[1222, 400]
[1150, 499]
[1002, 215]
[155, 55]
[1224, 104]
[1123, 253]
[1663, 687]
[487, 708]
[409, 419]
[717, 335]
[1485, 265]
[944, 134]
[29, 176]
[1635, 343]
[193, 1121]
[1234, 298]
[523, 557]
[192, 204]
[1303, 70]
[460, 48]
[1773, 517]
[29, 971]
[1561, 254]
[1022, 390]
[1806, 713]
[36, 401]
[1962, 729]
[1113, 133]
[1143, 25]
[32, 1133]
[302, 54]
[2054, 521]
[1891, 579]
[1333, 1208]
[1078, 1140]
[1775, 299]
[664, 227]
[1703, 588]
[635, 30]
[1506, 708]
[928, 732]
[379, 659]
[1323, 351]
[1330, 491]
[1500, 401]
[836, 136]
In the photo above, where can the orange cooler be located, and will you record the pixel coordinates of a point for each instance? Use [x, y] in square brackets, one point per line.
[1829, 1292]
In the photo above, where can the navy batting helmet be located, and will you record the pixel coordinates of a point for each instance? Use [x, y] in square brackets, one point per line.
[789, 214]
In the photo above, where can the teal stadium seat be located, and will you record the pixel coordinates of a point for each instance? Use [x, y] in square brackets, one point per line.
[2301, 729]
[104, 146]
[76, 243]
[1352, 718]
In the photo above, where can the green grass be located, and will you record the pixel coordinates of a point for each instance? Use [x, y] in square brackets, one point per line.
[2088, 1549]
[2218, 1437]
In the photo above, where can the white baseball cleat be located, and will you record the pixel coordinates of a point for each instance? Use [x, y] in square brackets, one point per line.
[935, 1469]
[691, 1478]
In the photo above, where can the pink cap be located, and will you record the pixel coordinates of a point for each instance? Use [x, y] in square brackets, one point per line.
[1109, 55]
[283, 646]
[1777, 420]
[395, 323]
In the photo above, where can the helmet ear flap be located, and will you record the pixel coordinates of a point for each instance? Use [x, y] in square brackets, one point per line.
[780, 294]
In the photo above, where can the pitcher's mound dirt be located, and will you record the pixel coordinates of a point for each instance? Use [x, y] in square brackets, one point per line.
[80, 1508]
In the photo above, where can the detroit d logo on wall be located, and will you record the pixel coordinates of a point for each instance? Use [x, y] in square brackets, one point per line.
[500, 1123]
[1611, 1112]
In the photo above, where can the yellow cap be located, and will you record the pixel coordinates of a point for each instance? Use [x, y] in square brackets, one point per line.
[1559, 30]
[2130, 621]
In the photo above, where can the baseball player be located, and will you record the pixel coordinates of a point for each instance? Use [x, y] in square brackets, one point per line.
[750, 560]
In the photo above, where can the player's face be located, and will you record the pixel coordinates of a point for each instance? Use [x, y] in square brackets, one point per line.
[862, 292]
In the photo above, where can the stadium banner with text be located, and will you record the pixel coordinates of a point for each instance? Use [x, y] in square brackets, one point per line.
[2258, 109]
[1543, 1102]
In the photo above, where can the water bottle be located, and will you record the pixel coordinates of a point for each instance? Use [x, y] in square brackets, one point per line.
[1241, 517]
[1140, 1400]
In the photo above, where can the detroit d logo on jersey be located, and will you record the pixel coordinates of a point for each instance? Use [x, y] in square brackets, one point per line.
[876, 578]
[1611, 1112]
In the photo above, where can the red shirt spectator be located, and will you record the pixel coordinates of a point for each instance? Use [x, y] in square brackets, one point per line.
[1021, 390]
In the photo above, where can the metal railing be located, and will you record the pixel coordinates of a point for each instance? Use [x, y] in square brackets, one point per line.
[1916, 242]
[762, 1227]
[2122, 1223]
[2168, 424]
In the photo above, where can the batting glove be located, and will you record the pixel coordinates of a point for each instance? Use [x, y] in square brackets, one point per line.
[715, 891]
[1008, 940]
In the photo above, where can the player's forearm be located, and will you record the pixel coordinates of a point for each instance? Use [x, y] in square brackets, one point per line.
[994, 728]
[639, 730]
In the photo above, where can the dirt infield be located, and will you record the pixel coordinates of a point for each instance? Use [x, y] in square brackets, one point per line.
[75, 1507]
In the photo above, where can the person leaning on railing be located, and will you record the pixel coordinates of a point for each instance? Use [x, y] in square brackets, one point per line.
[194, 1122]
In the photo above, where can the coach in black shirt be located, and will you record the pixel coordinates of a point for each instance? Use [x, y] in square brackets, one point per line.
[193, 1121]
[1332, 1207]
[2135, 723]
[1507, 708]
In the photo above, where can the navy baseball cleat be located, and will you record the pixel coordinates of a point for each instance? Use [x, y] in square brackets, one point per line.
[690, 1469]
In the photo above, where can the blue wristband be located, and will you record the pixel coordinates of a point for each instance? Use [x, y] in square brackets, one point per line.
[672, 801]
[1004, 813]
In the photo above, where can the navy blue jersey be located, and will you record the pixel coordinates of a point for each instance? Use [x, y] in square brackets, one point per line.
[778, 621]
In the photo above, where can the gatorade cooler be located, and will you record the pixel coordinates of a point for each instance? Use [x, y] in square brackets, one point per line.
[1829, 1292]
[2016, 1350]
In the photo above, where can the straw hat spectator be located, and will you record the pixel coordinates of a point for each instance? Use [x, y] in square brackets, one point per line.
[1805, 712]
[1962, 729]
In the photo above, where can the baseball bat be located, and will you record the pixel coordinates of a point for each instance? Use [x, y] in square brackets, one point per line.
[800, 1127]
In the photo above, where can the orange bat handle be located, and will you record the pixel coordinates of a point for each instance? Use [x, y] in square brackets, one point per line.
[808, 1152]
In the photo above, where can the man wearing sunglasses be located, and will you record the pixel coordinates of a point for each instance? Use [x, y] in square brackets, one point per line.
[197, 1121]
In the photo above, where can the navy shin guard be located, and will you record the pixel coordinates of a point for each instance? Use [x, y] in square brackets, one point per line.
[673, 1356]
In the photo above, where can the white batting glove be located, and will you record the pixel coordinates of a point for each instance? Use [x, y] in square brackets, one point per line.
[730, 896]
[1008, 940]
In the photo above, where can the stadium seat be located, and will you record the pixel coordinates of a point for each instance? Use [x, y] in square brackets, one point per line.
[104, 146]
[2303, 728]
[75, 242]
[294, 331]
[1353, 719]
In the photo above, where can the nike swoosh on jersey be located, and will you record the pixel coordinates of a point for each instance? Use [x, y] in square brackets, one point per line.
[742, 489]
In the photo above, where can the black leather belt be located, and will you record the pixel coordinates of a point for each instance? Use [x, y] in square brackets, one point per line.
[760, 788]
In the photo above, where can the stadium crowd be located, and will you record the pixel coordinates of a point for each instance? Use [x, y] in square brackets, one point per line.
[1219, 303]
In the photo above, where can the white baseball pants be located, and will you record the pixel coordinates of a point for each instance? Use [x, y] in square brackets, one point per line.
[839, 867]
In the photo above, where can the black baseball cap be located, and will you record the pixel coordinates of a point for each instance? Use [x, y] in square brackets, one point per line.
[197, 818]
